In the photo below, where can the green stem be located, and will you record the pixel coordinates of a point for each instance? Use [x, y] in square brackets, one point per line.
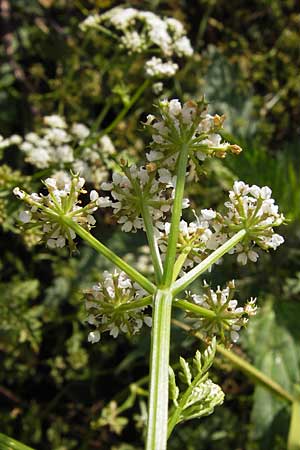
[110, 255]
[141, 303]
[251, 371]
[176, 215]
[9, 443]
[126, 108]
[193, 274]
[154, 250]
[157, 429]
[191, 307]
[180, 261]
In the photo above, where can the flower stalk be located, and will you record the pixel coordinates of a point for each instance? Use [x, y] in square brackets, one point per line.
[157, 429]
[183, 282]
[176, 215]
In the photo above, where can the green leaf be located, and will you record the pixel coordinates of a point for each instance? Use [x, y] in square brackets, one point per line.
[185, 376]
[8, 443]
[174, 391]
[275, 353]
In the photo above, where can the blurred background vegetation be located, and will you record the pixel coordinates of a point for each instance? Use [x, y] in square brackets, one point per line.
[53, 384]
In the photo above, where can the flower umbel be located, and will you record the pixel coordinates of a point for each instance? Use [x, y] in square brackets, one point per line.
[137, 187]
[252, 208]
[108, 306]
[45, 211]
[187, 124]
[229, 317]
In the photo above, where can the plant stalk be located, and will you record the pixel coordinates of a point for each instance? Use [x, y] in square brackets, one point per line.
[157, 429]
[176, 215]
[154, 250]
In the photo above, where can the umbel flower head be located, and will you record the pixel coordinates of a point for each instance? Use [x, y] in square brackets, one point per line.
[61, 147]
[250, 208]
[143, 31]
[229, 317]
[190, 125]
[138, 187]
[45, 211]
[109, 306]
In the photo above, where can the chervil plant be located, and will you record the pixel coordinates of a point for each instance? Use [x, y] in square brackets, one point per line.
[151, 198]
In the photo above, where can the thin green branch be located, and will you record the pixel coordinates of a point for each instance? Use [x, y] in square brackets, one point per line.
[154, 250]
[176, 215]
[196, 309]
[141, 303]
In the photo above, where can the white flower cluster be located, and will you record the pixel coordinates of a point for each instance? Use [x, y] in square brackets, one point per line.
[250, 208]
[253, 209]
[192, 240]
[229, 318]
[187, 124]
[143, 32]
[61, 147]
[14, 139]
[140, 186]
[62, 200]
[155, 67]
[108, 306]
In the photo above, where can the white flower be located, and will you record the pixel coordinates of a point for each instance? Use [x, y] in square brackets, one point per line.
[157, 88]
[15, 139]
[208, 214]
[253, 209]
[230, 317]
[94, 196]
[25, 216]
[91, 21]
[80, 130]
[55, 121]
[103, 302]
[136, 187]
[155, 67]
[182, 47]
[45, 211]
[18, 193]
[186, 125]
[106, 145]
[94, 336]
[144, 31]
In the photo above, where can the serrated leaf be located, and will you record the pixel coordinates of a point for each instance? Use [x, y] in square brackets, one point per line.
[185, 376]
[197, 362]
[174, 391]
[202, 401]
[209, 355]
